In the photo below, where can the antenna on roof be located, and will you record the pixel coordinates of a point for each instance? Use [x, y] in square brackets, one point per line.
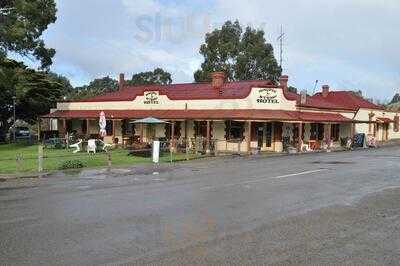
[315, 86]
[281, 39]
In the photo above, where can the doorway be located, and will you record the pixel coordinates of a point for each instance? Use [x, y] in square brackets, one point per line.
[260, 135]
[263, 135]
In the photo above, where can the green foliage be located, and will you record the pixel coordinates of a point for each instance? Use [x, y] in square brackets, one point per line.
[242, 56]
[395, 99]
[96, 87]
[106, 84]
[66, 87]
[157, 76]
[35, 92]
[71, 164]
[220, 51]
[293, 89]
[22, 22]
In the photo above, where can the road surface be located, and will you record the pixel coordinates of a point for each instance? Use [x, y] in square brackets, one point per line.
[326, 208]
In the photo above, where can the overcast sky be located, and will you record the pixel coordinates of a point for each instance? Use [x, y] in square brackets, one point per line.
[348, 44]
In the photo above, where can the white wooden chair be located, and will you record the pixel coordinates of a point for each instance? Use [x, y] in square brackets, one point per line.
[77, 146]
[91, 147]
[305, 147]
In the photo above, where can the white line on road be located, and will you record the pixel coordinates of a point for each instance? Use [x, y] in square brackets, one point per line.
[263, 179]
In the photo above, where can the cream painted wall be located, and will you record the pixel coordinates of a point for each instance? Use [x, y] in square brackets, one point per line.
[164, 103]
[363, 115]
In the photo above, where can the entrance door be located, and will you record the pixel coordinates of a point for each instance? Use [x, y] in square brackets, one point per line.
[260, 135]
[268, 135]
[151, 132]
[385, 132]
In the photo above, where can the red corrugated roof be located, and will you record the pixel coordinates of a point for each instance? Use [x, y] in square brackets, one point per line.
[254, 114]
[187, 91]
[322, 117]
[347, 100]
[312, 102]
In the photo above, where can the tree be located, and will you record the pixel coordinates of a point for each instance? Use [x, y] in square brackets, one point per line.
[293, 89]
[242, 56]
[157, 76]
[66, 89]
[35, 92]
[96, 87]
[22, 22]
[106, 84]
[220, 51]
[395, 99]
[256, 58]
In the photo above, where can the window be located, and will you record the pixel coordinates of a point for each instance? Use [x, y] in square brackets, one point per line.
[313, 132]
[335, 132]
[200, 129]
[84, 127]
[69, 126]
[317, 131]
[177, 130]
[234, 130]
[109, 127]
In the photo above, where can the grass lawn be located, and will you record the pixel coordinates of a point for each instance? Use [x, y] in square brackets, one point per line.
[54, 157]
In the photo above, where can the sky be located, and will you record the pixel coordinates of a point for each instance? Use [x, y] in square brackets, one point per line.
[347, 44]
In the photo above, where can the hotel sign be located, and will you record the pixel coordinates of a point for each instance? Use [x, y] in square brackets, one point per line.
[268, 95]
[151, 97]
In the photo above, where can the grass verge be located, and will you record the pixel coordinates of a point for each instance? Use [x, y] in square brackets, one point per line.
[53, 158]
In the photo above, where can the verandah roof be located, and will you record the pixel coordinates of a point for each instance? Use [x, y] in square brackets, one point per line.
[221, 114]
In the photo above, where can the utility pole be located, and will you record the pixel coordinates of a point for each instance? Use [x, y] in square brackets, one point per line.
[281, 39]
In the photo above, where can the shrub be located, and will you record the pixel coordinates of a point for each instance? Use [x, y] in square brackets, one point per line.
[71, 164]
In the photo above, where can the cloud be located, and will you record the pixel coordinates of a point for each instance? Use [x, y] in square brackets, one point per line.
[346, 43]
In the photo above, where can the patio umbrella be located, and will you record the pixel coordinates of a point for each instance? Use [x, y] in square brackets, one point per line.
[149, 120]
[102, 124]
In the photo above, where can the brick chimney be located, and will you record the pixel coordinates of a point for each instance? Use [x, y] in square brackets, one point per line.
[283, 82]
[325, 91]
[217, 80]
[121, 82]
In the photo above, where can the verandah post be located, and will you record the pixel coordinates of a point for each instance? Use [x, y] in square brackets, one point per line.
[208, 138]
[172, 135]
[186, 142]
[300, 137]
[248, 139]
[172, 141]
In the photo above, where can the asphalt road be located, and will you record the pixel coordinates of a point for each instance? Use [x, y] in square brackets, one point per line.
[328, 208]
